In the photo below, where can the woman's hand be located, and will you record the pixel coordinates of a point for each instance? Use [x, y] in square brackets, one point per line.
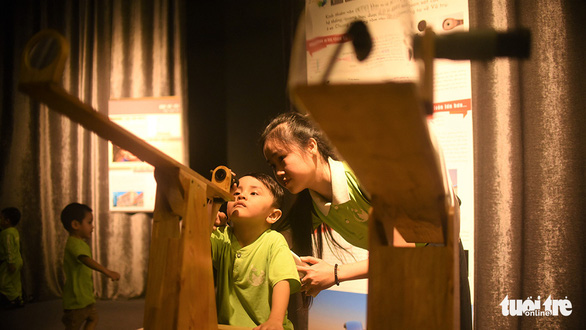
[319, 275]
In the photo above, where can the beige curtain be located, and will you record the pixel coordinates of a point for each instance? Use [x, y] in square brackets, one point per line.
[530, 160]
[118, 49]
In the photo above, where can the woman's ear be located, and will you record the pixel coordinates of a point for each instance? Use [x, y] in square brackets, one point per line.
[312, 146]
[274, 216]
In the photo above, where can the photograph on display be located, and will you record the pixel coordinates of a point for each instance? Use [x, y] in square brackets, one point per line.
[158, 121]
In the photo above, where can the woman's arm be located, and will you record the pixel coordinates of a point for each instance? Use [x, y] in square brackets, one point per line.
[319, 275]
[279, 305]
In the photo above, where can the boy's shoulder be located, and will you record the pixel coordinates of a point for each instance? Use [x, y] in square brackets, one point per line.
[225, 235]
[77, 244]
[10, 231]
[274, 237]
[75, 240]
[274, 234]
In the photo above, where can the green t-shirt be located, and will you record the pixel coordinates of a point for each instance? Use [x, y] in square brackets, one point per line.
[78, 291]
[246, 276]
[10, 284]
[10, 246]
[347, 213]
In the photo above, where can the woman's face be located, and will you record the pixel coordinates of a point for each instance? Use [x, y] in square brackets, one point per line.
[294, 167]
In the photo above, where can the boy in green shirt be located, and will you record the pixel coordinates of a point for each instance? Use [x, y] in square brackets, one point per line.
[78, 292]
[10, 258]
[256, 271]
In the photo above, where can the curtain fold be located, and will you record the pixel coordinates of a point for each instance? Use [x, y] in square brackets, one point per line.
[119, 49]
[530, 166]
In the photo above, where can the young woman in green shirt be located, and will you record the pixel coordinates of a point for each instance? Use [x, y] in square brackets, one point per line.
[328, 196]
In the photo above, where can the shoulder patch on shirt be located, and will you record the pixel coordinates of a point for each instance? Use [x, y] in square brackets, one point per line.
[360, 215]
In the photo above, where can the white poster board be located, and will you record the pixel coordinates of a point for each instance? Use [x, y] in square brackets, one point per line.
[159, 122]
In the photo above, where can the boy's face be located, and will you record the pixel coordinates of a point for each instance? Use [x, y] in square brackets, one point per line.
[84, 228]
[253, 201]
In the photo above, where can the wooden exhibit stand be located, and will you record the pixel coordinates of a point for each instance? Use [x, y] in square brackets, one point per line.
[180, 286]
[381, 131]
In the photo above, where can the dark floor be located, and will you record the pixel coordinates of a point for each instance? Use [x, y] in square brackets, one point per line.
[46, 315]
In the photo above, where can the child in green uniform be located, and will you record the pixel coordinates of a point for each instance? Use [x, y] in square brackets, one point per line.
[78, 292]
[256, 271]
[10, 258]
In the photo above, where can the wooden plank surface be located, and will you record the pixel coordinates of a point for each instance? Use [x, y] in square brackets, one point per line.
[197, 302]
[413, 288]
[60, 100]
[381, 132]
[161, 291]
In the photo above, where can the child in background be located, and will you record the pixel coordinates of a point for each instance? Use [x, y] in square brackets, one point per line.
[255, 269]
[10, 258]
[78, 292]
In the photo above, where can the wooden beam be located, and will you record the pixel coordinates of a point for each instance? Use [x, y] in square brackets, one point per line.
[381, 131]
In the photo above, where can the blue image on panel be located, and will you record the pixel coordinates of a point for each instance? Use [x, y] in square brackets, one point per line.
[332, 309]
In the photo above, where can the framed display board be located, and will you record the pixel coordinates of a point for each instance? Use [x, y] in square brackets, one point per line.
[159, 122]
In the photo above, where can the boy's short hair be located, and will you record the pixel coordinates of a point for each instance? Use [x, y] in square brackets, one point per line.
[272, 185]
[73, 211]
[12, 214]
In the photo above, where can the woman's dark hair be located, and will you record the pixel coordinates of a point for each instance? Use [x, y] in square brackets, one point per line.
[298, 129]
[293, 127]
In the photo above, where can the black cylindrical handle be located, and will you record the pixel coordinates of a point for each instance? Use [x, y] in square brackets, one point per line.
[479, 45]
